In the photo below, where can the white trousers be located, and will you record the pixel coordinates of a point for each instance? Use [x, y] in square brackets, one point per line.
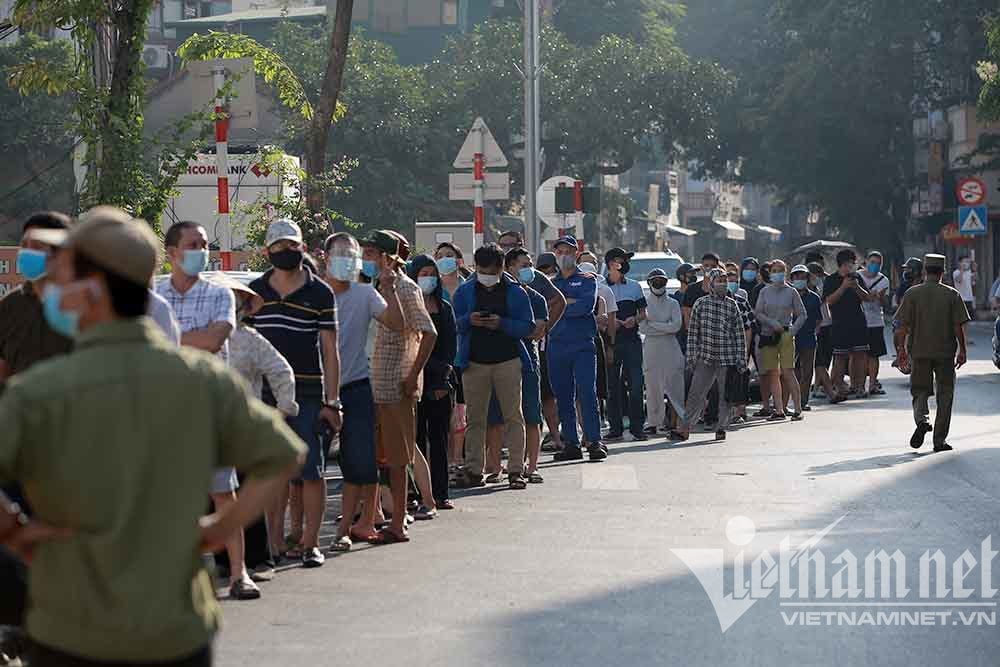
[664, 370]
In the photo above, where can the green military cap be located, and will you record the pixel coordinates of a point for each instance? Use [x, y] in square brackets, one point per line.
[932, 261]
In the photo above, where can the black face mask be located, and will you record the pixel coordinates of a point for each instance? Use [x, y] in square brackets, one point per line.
[286, 260]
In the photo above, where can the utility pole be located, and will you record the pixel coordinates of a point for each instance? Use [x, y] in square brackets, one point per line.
[532, 133]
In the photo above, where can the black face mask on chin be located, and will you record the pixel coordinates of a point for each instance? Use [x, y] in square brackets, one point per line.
[286, 260]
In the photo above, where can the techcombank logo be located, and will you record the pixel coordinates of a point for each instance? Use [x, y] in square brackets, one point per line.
[817, 587]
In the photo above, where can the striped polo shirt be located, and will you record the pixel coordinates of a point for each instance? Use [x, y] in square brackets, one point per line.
[292, 325]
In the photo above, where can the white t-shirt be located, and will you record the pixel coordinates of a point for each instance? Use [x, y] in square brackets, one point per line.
[875, 285]
[963, 283]
[609, 297]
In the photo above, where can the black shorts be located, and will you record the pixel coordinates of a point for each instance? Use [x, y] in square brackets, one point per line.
[824, 348]
[876, 342]
[543, 361]
[849, 337]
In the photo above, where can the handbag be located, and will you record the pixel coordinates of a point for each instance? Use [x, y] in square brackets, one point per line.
[737, 389]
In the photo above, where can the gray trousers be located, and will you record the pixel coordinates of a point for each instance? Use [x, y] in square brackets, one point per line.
[706, 375]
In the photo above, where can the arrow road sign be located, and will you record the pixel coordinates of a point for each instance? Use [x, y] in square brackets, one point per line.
[971, 192]
[972, 220]
[462, 187]
[480, 140]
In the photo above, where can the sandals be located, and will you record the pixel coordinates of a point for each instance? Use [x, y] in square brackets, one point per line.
[341, 545]
[444, 504]
[244, 589]
[425, 513]
[386, 536]
[517, 483]
[535, 478]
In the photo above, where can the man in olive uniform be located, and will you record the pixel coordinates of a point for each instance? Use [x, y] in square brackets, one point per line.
[933, 316]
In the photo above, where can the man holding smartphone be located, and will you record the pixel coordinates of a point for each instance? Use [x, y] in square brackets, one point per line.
[493, 314]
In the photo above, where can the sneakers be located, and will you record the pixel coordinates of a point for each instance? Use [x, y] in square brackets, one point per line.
[797, 416]
[425, 513]
[614, 436]
[313, 558]
[917, 439]
[640, 437]
[597, 452]
[943, 447]
[720, 435]
[569, 453]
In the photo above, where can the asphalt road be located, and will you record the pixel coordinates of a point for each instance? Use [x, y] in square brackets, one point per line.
[581, 570]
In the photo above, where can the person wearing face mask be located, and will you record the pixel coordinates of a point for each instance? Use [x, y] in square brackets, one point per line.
[299, 317]
[434, 408]
[494, 315]
[749, 278]
[451, 270]
[686, 276]
[572, 357]
[397, 366]
[738, 402]
[662, 357]
[149, 422]
[607, 326]
[627, 366]
[25, 336]
[805, 339]
[964, 278]
[546, 265]
[844, 294]
[877, 286]
[781, 315]
[716, 343]
[357, 305]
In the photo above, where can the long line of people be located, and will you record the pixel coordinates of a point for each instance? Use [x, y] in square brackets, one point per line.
[427, 370]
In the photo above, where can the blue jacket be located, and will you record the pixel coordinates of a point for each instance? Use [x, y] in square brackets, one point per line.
[578, 324]
[519, 322]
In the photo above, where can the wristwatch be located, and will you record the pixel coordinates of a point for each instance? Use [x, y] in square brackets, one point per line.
[20, 518]
[334, 405]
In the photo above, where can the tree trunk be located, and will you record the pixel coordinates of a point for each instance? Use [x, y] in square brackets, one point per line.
[319, 127]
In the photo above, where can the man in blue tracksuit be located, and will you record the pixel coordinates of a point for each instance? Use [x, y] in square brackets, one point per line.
[572, 357]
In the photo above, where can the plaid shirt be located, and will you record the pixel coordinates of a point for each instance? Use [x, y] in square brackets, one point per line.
[395, 351]
[204, 304]
[716, 332]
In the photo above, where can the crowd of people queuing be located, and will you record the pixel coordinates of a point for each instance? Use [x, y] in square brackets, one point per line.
[426, 368]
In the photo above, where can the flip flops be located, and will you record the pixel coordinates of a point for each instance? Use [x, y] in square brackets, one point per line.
[386, 536]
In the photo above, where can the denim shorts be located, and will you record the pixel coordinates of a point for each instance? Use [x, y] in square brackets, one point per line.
[305, 426]
[357, 437]
[531, 402]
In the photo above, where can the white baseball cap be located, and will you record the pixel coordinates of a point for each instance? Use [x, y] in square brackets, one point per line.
[281, 230]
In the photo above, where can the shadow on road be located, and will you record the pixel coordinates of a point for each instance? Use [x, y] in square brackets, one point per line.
[857, 465]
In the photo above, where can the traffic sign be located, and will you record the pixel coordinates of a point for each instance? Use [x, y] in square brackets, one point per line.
[971, 192]
[972, 220]
[462, 187]
[480, 140]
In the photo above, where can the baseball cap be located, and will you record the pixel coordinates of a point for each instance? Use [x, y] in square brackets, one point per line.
[112, 239]
[815, 268]
[545, 260]
[566, 240]
[383, 241]
[799, 268]
[617, 253]
[281, 230]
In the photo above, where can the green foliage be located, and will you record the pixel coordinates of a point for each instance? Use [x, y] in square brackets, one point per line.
[585, 22]
[36, 138]
[989, 72]
[269, 65]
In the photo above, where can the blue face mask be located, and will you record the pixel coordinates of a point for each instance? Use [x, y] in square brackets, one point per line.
[800, 284]
[64, 322]
[194, 262]
[345, 269]
[874, 267]
[369, 268]
[777, 278]
[31, 263]
[732, 287]
[526, 275]
[427, 284]
[749, 276]
[447, 265]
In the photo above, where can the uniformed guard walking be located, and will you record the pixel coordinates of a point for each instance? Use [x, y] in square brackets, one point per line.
[933, 316]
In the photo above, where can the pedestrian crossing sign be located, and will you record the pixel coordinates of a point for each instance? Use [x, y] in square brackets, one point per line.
[972, 220]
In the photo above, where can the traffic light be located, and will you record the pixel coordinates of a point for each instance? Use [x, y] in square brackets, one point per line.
[566, 200]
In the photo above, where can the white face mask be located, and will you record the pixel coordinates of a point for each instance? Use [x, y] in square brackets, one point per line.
[587, 267]
[566, 262]
[487, 280]
[658, 291]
